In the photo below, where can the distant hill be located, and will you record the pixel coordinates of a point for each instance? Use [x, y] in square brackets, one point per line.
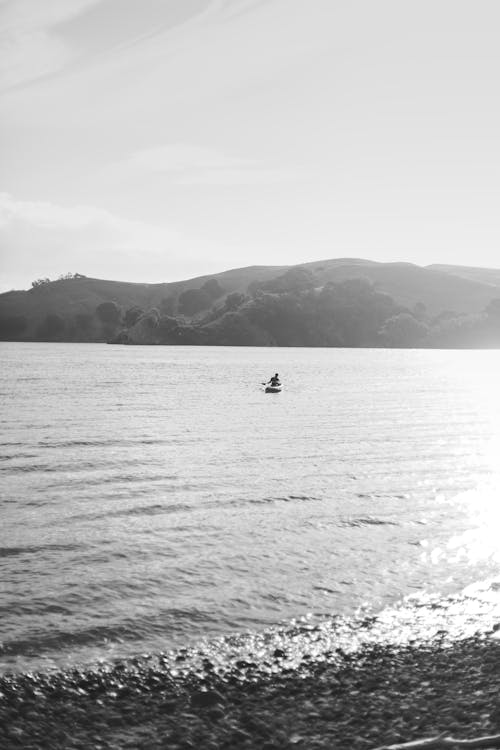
[489, 276]
[410, 284]
[212, 308]
[68, 297]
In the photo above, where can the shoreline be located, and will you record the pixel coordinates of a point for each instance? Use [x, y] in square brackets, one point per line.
[425, 668]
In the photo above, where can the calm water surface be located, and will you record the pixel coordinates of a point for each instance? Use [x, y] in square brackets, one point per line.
[152, 496]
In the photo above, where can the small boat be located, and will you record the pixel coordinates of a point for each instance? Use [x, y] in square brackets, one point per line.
[274, 388]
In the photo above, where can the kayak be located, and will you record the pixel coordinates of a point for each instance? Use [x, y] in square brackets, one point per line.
[273, 388]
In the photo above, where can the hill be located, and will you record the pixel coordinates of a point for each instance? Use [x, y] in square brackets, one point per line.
[410, 284]
[489, 276]
[280, 305]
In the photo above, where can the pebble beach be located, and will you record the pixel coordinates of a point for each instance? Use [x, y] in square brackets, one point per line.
[424, 668]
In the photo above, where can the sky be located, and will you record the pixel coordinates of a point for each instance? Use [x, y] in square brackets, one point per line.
[154, 140]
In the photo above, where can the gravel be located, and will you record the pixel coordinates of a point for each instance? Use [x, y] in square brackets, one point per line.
[287, 689]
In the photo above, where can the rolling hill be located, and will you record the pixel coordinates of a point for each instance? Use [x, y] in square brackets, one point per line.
[489, 276]
[65, 309]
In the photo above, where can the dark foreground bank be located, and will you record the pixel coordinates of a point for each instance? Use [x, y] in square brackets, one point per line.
[329, 685]
[381, 695]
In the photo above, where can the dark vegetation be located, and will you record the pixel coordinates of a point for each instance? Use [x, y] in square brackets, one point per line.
[344, 302]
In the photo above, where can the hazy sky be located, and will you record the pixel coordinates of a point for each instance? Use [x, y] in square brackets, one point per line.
[150, 140]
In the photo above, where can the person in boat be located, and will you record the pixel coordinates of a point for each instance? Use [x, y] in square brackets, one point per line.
[275, 380]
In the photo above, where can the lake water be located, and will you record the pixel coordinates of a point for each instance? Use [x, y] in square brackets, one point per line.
[152, 496]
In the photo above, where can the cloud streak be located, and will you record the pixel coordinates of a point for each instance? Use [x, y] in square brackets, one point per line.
[29, 44]
[195, 165]
[118, 231]
[50, 239]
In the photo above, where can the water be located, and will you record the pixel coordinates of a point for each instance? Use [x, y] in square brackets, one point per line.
[152, 496]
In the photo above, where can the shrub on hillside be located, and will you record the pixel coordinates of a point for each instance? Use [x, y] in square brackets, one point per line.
[168, 305]
[404, 331]
[108, 313]
[37, 283]
[12, 326]
[193, 301]
[132, 315]
[233, 301]
[52, 327]
[213, 289]
[295, 280]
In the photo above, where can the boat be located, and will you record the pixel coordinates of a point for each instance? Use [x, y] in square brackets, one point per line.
[274, 388]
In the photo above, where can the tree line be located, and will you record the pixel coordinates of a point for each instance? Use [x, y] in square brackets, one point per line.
[288, 310]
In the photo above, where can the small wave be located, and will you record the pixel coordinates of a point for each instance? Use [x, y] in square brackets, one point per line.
[145, 510]
[152, 510]
[366, 521]
[130, 629]
[127, 478]
[36, 549]
[81, 443]
[53, 468]
[15, 456]
[78, 466]
[326, 589]
[113, 442]
[29, 468]
[283, 499]
[381, 495]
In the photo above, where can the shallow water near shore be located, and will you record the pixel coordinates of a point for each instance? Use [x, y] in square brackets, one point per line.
[154, 496]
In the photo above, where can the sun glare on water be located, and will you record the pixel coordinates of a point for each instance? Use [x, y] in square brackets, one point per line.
[480, 378]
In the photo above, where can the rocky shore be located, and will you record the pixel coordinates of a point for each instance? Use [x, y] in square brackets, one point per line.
[310, 686]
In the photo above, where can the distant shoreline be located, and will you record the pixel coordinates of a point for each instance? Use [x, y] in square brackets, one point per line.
[348, 303]
[257, 346]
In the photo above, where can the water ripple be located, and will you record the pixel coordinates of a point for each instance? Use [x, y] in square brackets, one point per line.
[37, 549]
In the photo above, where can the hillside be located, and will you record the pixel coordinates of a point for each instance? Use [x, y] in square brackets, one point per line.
[72, 296]
[471, 273]
[409, 284]
[77, 308]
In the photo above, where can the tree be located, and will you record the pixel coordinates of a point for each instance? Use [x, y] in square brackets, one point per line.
[40, 282]
[132, 315]
[351, 312]
[81, 327]
[234, 329]
[213, 289]
[69, 275]
[404, 330]
[493, 308]
[150, 319]
[233, 301]
[458, 331]
[108, 313]
[193, 301]
[419, 311]
[12, 326]
[52, 327]
[167, 324]
[83, 322]
[168, 305]
[294, 280]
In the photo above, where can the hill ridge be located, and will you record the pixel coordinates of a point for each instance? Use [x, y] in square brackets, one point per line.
[75, 307]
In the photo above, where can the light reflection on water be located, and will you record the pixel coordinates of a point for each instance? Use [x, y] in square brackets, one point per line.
[155, 495]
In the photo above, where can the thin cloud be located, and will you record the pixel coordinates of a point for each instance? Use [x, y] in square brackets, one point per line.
[50, 239]
[249, 176]
[119, 231]
[181, 157]
[29, 44]
[195, 165]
